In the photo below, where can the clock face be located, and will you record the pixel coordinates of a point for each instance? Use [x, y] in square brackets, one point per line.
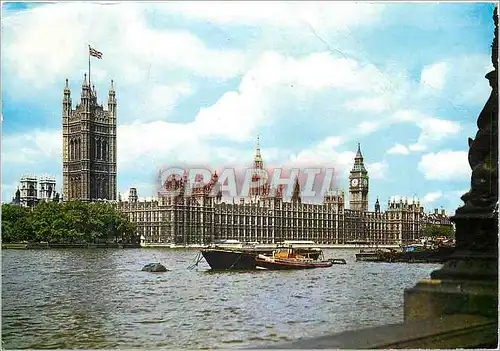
[354, 182]
[365, 182]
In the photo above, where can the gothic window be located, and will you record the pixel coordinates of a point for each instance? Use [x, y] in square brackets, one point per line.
[98, 149]
[74, 149]
[71, 150]
[78, 148]
[96, 146]
[104, 150]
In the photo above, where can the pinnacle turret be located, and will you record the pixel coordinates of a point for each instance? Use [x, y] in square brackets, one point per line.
[258, 163]
[358, 161]
[358, 153]
[296, 191]
[377, 206]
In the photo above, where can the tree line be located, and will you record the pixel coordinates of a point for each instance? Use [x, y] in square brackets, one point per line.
[70, 223]
[435, 230]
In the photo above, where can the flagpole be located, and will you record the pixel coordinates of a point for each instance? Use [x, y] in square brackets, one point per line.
[89, 66]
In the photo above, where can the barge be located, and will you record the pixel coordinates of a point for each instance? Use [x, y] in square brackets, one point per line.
[224, 256]
[413, 256]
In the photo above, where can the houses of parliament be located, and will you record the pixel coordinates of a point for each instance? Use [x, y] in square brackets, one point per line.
[89, 174]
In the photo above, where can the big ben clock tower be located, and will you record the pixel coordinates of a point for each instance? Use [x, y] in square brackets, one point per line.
[358, 184]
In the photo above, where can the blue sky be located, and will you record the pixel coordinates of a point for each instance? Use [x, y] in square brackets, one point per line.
[197, 82]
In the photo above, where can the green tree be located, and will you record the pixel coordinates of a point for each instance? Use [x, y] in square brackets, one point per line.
[71, 222]
[435, 230]
[16, 224]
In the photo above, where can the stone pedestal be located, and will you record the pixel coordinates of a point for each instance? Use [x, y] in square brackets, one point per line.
[434, 298]
[468, 281]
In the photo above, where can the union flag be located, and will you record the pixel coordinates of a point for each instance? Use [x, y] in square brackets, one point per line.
[95, 53]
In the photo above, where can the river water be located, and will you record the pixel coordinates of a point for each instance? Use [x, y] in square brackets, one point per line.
[100, 298]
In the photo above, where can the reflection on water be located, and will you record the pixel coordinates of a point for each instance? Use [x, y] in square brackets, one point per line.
[101, 299]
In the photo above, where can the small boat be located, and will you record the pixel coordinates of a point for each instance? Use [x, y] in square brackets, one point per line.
[337, 260]
[289, 259]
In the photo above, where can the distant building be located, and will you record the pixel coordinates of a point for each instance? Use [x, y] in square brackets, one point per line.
[264, 217]
[32, 190]
[89, 146]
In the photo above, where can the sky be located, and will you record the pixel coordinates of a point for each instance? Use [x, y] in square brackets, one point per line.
[197, 82]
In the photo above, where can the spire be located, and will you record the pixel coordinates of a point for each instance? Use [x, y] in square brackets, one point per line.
[358, 153]
[67, 97]
[85, 84]
[257, 161]
[358, 161]
[296, 191]
[111, 95]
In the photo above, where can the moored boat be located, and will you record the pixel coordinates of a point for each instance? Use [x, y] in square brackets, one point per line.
[284, 259]
[243, 256]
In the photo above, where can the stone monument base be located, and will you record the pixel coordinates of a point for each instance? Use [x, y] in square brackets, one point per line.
[466, 284]
[433, 298]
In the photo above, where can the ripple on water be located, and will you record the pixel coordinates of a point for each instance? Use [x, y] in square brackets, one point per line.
[101, 299]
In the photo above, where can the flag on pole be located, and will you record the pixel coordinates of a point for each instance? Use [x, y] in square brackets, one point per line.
[95, 53]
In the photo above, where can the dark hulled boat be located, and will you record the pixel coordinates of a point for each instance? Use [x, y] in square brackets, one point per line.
[239, 257]
[227, 258]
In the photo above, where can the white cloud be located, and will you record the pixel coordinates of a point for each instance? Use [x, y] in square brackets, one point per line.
[432, 129]
[33, 147]
[445, 165]
[324, 154]
[160, 141]
[160, 100]
[407, 115]
[276, 80]
[374, 104]
[434, 75]
[416, 147]
[279, 14]
[398, 149]
[368, 127]
[431, 197]
[43, 45]
[377, 170]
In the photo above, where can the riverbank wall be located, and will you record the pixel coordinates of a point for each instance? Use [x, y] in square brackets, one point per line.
[26, 246]
[269, 246]
[30, 246]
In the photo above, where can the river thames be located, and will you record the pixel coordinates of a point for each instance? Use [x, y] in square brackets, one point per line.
[100, 298]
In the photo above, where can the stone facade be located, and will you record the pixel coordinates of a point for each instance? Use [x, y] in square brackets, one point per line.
[89, 146]
[264, 217]
[33, 190]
